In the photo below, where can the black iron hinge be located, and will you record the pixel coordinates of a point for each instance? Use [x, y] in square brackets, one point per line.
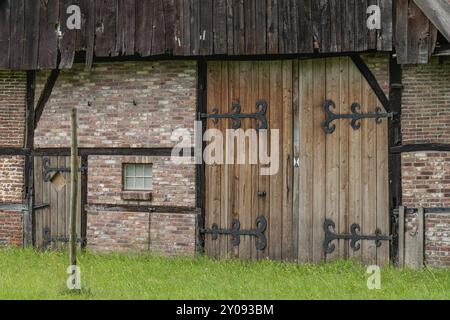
[236, 232]
[355, 116]
[354, 237]
[48, 239]
[47, 169]
[236, 116]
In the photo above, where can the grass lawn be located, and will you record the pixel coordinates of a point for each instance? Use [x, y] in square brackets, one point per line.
[26, 274]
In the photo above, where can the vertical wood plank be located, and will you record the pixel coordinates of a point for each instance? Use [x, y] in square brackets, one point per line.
[355, 158]
[319, 188]
[194, 26]
[62, 213]
[401, 237]
[344, 168]
[238, 27]
[288, 26]
[126, 24]
[105, 35]
[272, 27]
[385, 35]
[383, 217]
[89, 30]
[67, 42]
[361, 30]
[250, 26]
[264, 181]
[261, 27]
[306, 131]
[159, 27]
[220, 26]
[372, 34]
[401, 31]
[206, 27]
[180, 18]
[325, 21]
[348, 25]
[305, 32]
[254, 97]
[336, 17]
[296, 157]
[169, 26]
[276, 181]
[17, 33]
[5, 26]
[31, 49]
[186, 27]
[368, 174]
[144, 28]
[286, 164]
[38, 184]
[332, 150]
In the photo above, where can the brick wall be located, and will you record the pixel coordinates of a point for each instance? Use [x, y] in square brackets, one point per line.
[134, 105]
[426, 175]
[12, 120]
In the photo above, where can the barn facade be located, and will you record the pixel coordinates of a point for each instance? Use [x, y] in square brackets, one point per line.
[353, 97]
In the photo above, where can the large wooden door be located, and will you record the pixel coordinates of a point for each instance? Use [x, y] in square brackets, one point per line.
[52, 199]
[341, 177]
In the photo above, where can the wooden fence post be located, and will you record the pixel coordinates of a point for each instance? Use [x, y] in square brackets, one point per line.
[401, 237]
[73, 191]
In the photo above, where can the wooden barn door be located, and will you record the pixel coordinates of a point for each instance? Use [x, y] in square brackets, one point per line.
[342, 177]
[239, 192]
[52, 202]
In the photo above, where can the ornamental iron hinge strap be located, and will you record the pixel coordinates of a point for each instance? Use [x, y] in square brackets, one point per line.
[48, 239]
[354, 237]
[236, 116]
[355, 116]
[47, 169]
[236, 232]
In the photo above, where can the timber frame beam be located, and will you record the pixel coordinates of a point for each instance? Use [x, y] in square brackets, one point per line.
[368, 75]
[439, 147]
[45, 96]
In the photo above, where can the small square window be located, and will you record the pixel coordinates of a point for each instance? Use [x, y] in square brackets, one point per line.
[137, 177]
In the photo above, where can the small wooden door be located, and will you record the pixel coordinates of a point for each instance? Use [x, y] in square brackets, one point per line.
[52, 202]
[341, 176]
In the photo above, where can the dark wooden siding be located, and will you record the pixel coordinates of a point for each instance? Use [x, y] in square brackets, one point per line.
[33, 32]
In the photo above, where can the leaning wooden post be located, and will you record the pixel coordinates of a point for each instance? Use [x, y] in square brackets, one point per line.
[73, 191]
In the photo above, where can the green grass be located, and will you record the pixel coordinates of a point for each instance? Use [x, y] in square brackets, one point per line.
[27, 274]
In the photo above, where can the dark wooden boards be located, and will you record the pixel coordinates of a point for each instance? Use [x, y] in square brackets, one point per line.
[34, 32]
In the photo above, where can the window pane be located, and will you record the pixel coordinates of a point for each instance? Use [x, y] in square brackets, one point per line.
[148, 171]
[140, 183]
[130, 183]
[130, 170]
[148, 183]
[139, 170]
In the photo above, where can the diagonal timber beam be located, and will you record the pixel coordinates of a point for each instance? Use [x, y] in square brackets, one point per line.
[45, 95]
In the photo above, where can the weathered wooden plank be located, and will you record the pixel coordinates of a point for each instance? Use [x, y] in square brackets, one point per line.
[126, 24]
[17, 34]
[88, 30]
[344, 168]
[261, 27]
[325, 25]
[264, 180]
[144, 28]
[361, 30]
[306, 131]
[383, 219]
[276, 180]
[230, 27]
[238, 27]
[195, 26]
[418, 35]
[250, 26]
[288, 26]
[225, 213]
[206, 27]
[296, 146]
[316, 25]
[332, 150]
[169, 24]
[179, 28]
[253, 147]
[336, 17]
[105, 35]
[159, 27]
[287, 162]
[67, 41]
[438, 12]
[348, 25]
[401, 31]
[272, 27]
[5, 27]
[401, 237]
[305, 33]
[372, 34]
[63, 211]
[368, 175]
[31, 47]
[385, 35]
[220, 26]
[319, 152]
[355, 157]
